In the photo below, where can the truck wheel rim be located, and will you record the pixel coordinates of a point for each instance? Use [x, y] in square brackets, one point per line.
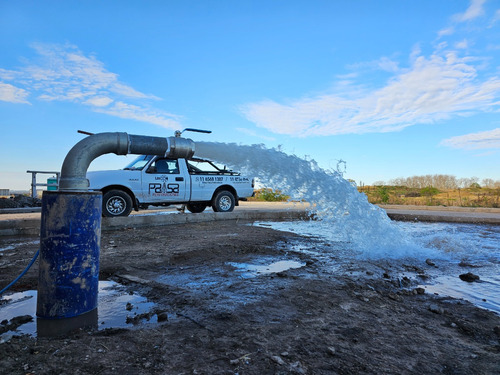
[225, 203]
[115, 205]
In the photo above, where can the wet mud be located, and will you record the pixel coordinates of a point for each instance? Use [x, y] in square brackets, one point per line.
[236, 298]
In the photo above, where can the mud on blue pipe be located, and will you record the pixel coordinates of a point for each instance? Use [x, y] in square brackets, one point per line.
[70, 236]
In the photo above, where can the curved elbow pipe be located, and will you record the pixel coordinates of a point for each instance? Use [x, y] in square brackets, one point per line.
[78, 159]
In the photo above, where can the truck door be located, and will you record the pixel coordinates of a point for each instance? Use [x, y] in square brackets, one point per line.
[163, 182]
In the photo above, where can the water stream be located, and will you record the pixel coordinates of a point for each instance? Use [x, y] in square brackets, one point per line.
[358, 229]
[333, 199]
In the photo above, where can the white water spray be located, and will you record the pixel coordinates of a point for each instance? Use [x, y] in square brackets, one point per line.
[338, 205]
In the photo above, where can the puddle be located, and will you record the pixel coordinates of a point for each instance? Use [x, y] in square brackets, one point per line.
[455, 248]
[247, 270]
[117, 308]
[231, 284]
[483, 293]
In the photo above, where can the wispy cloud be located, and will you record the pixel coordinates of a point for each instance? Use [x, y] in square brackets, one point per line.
[475, 141]
[253, 133]
[475, 10]
[431, 89]
[428, 88]
[12, 94]
[64, 73]
[130, 111]
[496, 18]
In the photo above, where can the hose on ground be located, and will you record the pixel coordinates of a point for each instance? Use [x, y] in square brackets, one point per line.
[22, 273]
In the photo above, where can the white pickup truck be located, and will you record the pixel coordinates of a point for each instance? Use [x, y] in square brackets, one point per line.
[159, 181]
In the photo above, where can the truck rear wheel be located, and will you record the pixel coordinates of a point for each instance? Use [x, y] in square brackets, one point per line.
[223, 201]
[116, 203]
[196, 208]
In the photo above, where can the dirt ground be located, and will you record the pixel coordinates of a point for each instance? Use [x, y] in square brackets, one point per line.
[358, 318]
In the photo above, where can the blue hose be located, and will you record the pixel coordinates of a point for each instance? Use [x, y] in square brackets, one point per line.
[22, 273]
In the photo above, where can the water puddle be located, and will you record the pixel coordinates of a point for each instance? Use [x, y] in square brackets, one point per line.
[483, 293]
[454, 248]
[117, 309]
[247, 270]
[231, 284]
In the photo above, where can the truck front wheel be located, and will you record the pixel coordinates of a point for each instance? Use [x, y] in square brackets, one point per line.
[223, 201]
[116, 203]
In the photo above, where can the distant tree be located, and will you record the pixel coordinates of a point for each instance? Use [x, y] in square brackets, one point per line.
[270, 195]
[488, 183]
[383, 193]
[467, 182]
[440, 181]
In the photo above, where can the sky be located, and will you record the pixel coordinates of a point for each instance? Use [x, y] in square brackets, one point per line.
[395, 88]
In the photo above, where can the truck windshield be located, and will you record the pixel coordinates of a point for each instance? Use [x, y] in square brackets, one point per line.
[206, 166]
[138, 163]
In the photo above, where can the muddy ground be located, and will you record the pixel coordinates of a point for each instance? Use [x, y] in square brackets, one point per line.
[358, 318]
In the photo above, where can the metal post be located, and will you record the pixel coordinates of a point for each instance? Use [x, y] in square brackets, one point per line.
[33, 184]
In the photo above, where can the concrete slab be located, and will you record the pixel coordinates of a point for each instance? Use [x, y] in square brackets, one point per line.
[450, 216]
[29, 223]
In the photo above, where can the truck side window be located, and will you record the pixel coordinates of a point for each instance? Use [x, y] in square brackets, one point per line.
[192, 169]
[164, 166]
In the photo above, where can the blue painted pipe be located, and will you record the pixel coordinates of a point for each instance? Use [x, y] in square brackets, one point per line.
[70, 236]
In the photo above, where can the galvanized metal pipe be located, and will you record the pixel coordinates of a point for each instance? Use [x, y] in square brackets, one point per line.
[78, 159]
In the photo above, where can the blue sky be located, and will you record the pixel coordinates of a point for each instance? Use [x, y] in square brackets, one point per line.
[394, 88]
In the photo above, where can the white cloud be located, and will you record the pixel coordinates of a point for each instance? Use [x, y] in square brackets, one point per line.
[12, 94]
[384, 63]
[134, 112]
[253, 133]
[463, 44]
[496, 18]
[475, 141]
[8, 75]
[99, 101]
[474, 10]
[446, 31]
[432, 89]
[64, 73]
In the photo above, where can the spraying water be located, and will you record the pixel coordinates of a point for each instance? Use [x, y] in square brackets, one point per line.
[342, 210]
[361, 230]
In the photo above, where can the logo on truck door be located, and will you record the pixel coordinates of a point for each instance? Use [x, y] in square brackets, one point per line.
[163, 189]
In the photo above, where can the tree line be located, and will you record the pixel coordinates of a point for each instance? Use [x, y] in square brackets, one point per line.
[442, 182]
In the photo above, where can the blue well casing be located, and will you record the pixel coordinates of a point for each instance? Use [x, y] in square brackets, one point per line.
[70, 237]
